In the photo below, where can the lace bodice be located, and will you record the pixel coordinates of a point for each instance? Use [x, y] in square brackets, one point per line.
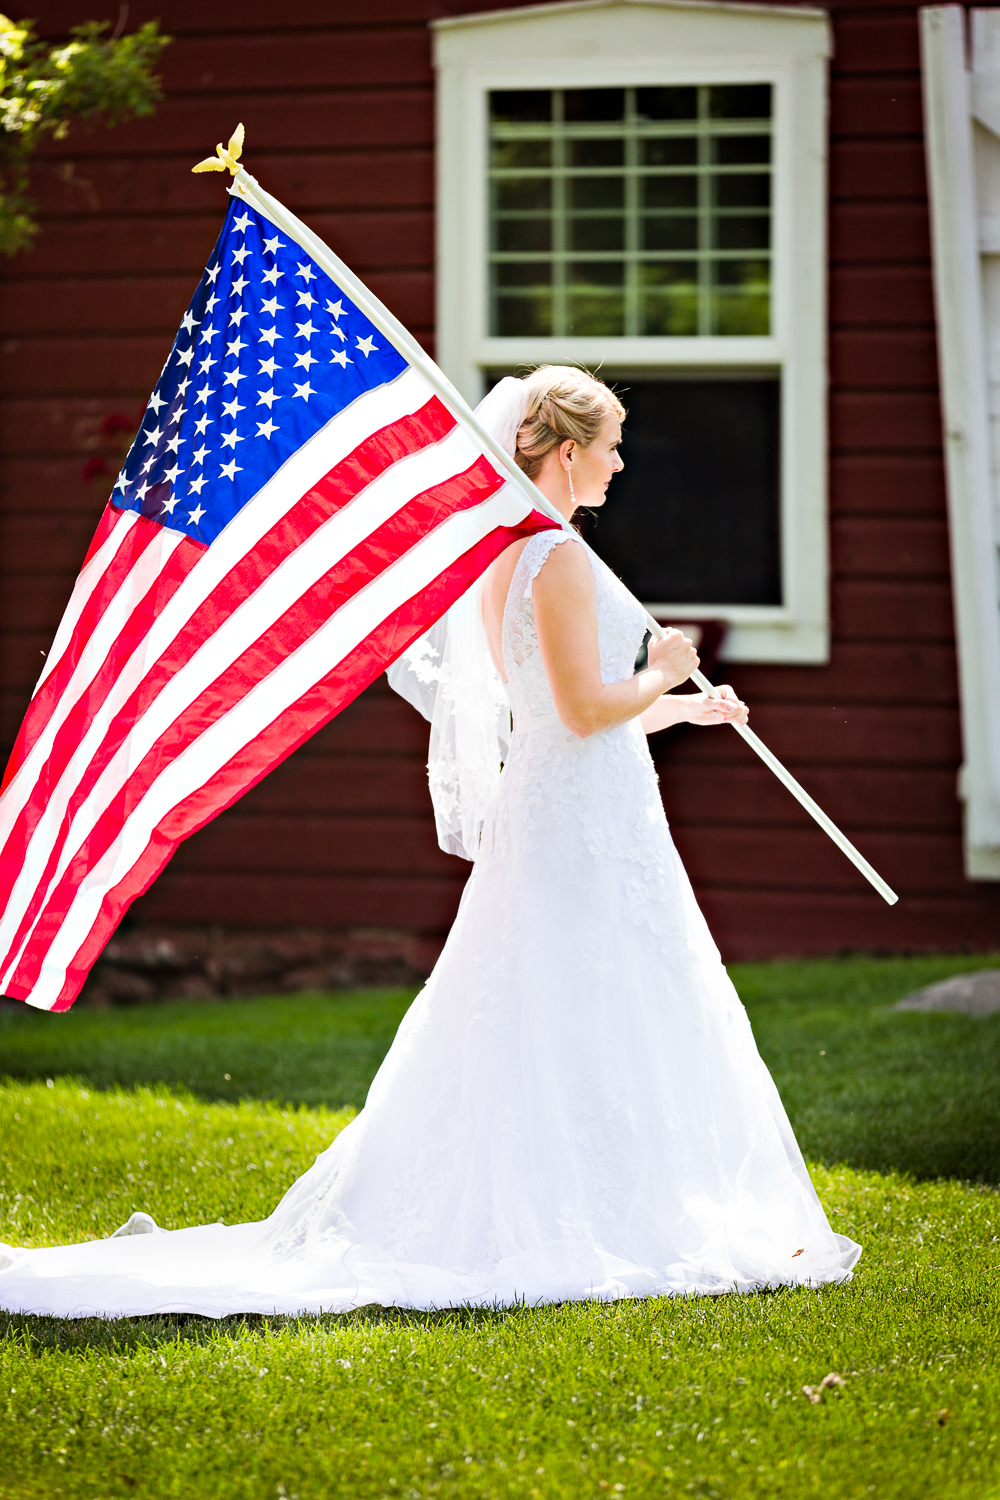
[620, 625]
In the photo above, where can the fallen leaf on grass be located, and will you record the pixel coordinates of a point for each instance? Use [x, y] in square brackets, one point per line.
[798, 1252]
[815, 1392]
[941, 1416]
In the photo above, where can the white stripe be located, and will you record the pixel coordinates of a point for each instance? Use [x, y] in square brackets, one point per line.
[333, 541]
[86, 582]
[342, 434]
[113, 621]
[356, 620]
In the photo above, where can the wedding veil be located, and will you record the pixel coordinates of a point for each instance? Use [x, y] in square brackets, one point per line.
[448, 675]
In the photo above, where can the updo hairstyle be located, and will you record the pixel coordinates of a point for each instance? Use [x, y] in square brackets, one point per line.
[563, 402]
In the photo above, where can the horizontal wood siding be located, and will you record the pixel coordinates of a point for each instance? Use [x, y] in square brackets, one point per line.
[338, 106]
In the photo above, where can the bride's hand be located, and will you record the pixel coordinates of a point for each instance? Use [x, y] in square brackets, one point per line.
[699, 708]
[674, 656]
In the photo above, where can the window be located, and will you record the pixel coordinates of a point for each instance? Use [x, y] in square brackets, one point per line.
[630, 211]
[640, 187]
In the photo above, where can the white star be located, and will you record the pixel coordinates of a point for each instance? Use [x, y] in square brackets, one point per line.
[268, 336]
[235, 347]
[212, 302]
[202, 424]
[156, 401]
[212, 272]
[230, 439]
[306, 272]
[305, 391]
[185, 356]
[306, 299]
[342, 336]
[207, 334]
[239, 287]
[305, 360]
[233, 377]
[367, 346]
[340, 358]
[171, 474]
[150, 461]
[153, 435]
[204, 393]
[241, 255]
[168, 505]
[232, 407]
[267, 398]
[141, 493]
[273, 275]
[305, 330]
[268, 367]
[175, 442]
[335, 309]
[197, 485]
[230, 470]
[188, 323]
[273, 306]
[272, 246]
[194, 516]
[182, 387]
[243, 223]
[264, 429]
[207, 364]
[236, 318]
[175, 416]
[198, 457]
[121, 483]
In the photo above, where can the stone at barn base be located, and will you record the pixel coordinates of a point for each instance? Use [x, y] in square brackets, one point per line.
[975, 994]
[148, 963]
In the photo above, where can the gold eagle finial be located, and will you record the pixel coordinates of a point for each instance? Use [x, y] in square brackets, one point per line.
[226, 157]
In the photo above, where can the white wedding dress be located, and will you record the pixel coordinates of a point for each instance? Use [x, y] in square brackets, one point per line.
[573, 1107]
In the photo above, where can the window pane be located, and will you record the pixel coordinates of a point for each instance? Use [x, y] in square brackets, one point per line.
[671, 151]
[594, 105]
[534, 273]
[667, 104]
[693, 518]
[521, 105]
[523, 235]
[638, 178]
[597, 234]
[741, 297]
[740, 101]
[523, 317]
[520, 193]
[669, 192]
[674, 233]
[597, 153]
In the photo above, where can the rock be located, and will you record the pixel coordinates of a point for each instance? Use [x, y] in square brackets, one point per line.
[976, 994]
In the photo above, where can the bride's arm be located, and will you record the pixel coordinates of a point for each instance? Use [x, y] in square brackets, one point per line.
[566, 620]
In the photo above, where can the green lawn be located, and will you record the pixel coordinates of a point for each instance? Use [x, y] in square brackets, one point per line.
[103, 1112]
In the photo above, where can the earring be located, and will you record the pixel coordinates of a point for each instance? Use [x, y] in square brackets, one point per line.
[569, 476]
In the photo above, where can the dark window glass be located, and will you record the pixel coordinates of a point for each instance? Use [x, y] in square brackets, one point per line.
[740, 101]
[522, 106]
[667, 104]
[592, 106]
[740, 150]
[596, 153]
[672, 151]
[693, 519]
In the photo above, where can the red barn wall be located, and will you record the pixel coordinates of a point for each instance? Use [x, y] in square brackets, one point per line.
[338, 108]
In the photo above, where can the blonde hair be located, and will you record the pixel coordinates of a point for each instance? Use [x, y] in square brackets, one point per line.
[563, 402]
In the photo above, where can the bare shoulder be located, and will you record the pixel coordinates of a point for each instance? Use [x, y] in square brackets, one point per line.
[566, 569]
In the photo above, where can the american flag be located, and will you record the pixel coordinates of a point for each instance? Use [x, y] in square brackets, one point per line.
[297, 506]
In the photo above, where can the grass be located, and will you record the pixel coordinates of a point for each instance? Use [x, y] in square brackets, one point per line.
[654, 1399]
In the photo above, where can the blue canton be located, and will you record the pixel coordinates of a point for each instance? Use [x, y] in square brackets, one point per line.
[267, 352]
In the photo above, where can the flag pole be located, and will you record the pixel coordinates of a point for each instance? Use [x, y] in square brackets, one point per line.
[248, 189]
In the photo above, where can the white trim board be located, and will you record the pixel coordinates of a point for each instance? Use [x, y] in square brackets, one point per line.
[617, 43]
[963, 161]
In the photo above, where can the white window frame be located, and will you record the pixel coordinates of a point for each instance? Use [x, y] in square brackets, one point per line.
[650, 43]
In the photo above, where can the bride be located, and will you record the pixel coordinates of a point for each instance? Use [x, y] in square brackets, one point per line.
[574, 1106]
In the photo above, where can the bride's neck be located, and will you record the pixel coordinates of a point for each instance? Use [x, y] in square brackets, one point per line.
[554, 485]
